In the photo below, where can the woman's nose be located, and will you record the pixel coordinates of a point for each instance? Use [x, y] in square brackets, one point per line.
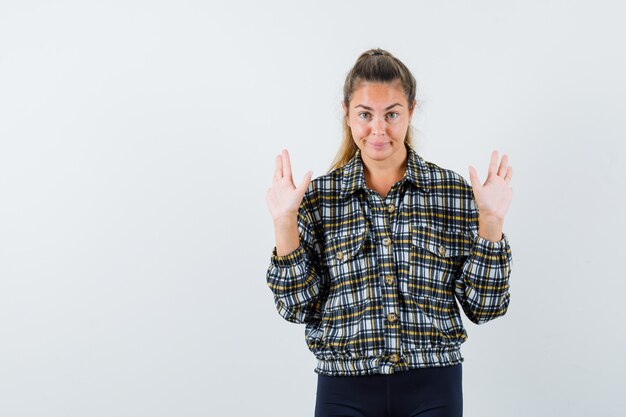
[378, 126]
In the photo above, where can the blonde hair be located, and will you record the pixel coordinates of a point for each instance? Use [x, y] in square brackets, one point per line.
[375, 65]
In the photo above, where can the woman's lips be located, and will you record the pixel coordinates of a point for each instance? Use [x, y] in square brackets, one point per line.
[378, 146]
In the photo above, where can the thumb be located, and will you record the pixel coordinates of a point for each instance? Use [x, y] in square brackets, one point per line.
[474, 177]
[305, 183]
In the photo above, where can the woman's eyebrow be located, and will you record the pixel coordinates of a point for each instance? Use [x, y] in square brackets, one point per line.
[369, 108]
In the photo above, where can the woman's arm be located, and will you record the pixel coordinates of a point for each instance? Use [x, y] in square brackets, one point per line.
[297, 278]
[482, 285]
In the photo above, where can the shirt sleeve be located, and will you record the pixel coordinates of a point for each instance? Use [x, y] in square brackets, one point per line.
[482, 284]
[298, 279]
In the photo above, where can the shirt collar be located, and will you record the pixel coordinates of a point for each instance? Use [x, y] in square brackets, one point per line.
[354, 178]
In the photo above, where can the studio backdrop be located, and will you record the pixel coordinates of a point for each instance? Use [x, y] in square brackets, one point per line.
[137, 143]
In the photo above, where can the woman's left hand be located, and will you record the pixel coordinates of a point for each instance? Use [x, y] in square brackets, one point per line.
[493, 198]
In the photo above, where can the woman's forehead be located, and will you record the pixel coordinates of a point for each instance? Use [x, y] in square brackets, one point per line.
[378, 95]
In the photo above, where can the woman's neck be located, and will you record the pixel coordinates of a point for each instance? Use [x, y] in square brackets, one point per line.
[381, 175]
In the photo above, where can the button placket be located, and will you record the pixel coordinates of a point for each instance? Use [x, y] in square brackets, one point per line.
[386, 260]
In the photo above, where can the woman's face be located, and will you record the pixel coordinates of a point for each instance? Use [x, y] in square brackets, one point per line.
[379, 117]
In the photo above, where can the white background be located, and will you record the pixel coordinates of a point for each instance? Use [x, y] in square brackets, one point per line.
[137, 144]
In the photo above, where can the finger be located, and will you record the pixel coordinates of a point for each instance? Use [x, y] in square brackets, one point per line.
[278, 170]
[503, 165]
[474, 177]
[269, 196]
[305, 182]
[286, 164]
[279, 167]
[493, 163]
[509, 175]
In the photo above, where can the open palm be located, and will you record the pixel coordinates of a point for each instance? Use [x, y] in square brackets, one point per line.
[493, 198]
[283, 197]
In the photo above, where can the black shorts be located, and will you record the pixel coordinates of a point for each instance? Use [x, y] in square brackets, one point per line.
[423, 392]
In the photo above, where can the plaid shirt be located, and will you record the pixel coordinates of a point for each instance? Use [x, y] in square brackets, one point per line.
[375, 279]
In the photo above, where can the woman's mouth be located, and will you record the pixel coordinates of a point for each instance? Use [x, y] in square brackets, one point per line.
[378, 146]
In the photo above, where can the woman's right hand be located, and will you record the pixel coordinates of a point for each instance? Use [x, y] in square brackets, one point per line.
[283, 198]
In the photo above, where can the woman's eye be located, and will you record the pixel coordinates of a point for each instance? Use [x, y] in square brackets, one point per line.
[395, 115]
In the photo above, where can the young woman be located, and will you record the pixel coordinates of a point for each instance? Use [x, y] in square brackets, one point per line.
[372, 255]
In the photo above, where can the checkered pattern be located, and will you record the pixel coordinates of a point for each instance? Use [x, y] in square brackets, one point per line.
[375, 279]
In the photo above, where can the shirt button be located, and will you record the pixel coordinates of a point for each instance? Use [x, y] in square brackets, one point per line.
[389, 280]
[387, 241]
[394, 358]
[391, 208]
[340, 255]
[392, 317]
[442, 250]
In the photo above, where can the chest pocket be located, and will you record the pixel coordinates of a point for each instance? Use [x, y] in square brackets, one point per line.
[351, 262]
[435, 259]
